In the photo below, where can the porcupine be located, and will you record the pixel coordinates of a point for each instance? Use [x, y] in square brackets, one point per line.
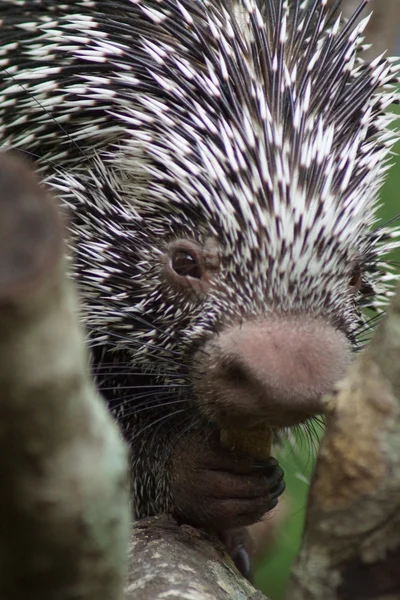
[221, 162]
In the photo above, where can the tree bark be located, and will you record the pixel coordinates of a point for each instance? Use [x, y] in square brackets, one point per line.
[64, 500]
[172, 561]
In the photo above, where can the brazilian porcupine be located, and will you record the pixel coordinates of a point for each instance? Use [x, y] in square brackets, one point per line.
[221, 161]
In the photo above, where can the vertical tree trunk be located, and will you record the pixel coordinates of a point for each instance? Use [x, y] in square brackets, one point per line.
[64, 500]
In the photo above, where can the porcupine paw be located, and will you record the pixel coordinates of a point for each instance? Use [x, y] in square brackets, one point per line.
[217, 489]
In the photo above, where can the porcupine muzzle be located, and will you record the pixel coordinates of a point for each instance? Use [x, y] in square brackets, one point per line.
[269, 374]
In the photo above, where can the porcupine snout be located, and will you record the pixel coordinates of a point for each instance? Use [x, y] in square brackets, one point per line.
[270, 372]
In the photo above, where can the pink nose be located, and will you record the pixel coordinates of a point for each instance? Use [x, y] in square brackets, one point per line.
[272, 371]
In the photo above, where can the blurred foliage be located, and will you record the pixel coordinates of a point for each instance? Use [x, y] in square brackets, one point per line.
[273, 572]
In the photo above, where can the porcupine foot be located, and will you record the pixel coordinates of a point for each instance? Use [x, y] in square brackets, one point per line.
[222, 491]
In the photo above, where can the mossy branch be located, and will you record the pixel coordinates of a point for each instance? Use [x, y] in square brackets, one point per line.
[63, 469]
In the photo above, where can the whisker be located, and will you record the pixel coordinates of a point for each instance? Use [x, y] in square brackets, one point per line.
[128, 399]
[153, 423]
[135, 411]
[140, 387]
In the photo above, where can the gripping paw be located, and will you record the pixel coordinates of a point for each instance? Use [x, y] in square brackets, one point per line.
[217, 489]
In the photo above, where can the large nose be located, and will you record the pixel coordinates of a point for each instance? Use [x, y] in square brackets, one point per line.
[274, 371]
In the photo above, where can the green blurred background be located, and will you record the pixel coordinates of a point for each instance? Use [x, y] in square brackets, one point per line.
[272, 573]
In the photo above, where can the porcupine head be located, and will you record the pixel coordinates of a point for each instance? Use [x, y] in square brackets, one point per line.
[220, 162]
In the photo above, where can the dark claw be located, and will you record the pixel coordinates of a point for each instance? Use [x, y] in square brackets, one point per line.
[273, 504]
[272, 472]
[274, 478]
[274, 475]
[242, 561]
[267, 465]
[278, 489]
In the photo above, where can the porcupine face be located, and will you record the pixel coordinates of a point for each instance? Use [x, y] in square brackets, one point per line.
[221, 166]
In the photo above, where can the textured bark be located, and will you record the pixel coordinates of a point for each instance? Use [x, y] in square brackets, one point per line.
[351, 547]
[172, 561]
[64, 493]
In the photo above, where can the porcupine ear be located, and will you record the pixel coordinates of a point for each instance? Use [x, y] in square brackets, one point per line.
[381, 275]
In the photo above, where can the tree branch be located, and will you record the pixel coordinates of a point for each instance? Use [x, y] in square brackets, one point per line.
[168, 560]
[351, 546]
[64, 494]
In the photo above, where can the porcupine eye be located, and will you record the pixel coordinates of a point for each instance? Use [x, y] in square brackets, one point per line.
[186, 264]
[190, 266]
[355, 280]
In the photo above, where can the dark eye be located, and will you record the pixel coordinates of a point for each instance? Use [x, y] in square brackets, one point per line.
[355, 280]
[186, 264]
[190, 267]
